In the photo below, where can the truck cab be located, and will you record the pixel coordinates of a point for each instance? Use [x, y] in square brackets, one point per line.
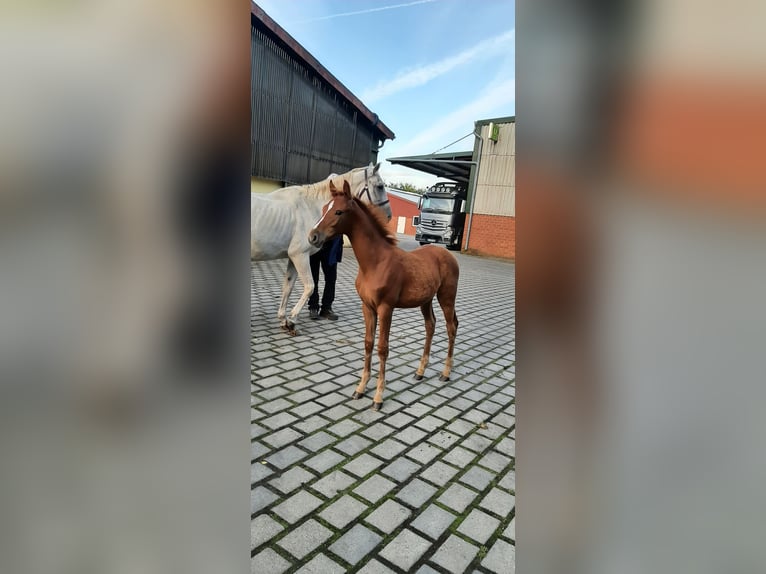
[442, 215]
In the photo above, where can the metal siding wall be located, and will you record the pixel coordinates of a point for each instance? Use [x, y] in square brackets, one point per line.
[496, 187]
[301, 129]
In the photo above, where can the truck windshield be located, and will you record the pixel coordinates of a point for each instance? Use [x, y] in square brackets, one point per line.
[438, 204]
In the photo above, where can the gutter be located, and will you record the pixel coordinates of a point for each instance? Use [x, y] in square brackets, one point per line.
[473, 187]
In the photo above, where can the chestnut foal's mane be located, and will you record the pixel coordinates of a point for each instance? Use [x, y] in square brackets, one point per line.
[378, 219]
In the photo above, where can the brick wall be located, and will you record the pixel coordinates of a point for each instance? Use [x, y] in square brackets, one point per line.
[402, 208]
[493, 235]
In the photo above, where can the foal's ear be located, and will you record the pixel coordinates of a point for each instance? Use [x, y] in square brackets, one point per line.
[333, 189]
[346, 188]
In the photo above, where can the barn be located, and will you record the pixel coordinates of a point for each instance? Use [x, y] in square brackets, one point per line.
[305, 124]
[490, 173]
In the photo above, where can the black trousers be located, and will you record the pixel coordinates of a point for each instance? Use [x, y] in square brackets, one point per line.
[330, 275]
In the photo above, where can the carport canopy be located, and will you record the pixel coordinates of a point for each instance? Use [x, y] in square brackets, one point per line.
[453, 165]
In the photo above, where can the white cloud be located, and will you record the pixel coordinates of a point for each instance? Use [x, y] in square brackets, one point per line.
[424, 74]
[496, 98]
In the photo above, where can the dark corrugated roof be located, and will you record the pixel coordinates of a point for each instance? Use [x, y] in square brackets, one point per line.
[300, 53]
[453, 165]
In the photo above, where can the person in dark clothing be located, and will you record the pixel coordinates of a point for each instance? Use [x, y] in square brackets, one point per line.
[328, 257]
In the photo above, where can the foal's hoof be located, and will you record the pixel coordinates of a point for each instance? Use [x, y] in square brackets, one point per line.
[357, 395]
[418, 377]
[442, 378]
[376, 406]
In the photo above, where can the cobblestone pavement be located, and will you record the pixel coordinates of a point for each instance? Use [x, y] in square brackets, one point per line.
[427, 484]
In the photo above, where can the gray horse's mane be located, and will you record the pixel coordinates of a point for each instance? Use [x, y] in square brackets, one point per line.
[321, 189]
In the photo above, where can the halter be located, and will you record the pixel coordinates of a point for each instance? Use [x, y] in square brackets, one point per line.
[366, 189]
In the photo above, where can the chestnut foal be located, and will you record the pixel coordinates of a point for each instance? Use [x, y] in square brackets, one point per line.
[390, 278]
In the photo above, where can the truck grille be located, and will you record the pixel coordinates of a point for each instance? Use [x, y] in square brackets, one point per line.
[432, 225]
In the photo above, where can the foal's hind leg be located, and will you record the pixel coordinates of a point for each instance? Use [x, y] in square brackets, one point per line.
[370, 322]
[447, 302]
[430, 321]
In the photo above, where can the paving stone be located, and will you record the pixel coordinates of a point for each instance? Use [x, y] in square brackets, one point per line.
[416, 410]
[362, 465]
[257, 430]
[460, 456]
[343, 511]
[508, 481]
[433, 521]
[406, 549]
[510, 531]
[368, 416]
[291, 479]
[262, 529]
[375, 567]
[286, 457]
[335, 482]
[260, 498]
[416, 493]
[439, 473]
[495, 461]
[434, 400]
[258, 450]
[275, 406]
[479, 526]
[337, 412]
[259, 472]
[278, 421]
[429, 423]
[332, 399]
[475, 416]
[401, 469]
[460, 428]
[476, 443]
[325, 460]
[306, 409]
[410, 435]
[399, 420]
[455, 554]
[374, 488]
[378, 431]
[424, 453]
[268, 561]
[388, 449]
[321, 564]
[446, 413]
[388, 516]
[498, 502]
[353, 445]
[304, 539]
[501, 558]
[311, 424]
[355, 544]
[507, 446]
[297, 506]
[457, 497]
[426, 569]
[316, 441]
[281, 438]
[477, 477]
[443, 439]
[344, 428]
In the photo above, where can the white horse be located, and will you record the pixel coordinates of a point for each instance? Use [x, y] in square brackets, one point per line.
[280, 222]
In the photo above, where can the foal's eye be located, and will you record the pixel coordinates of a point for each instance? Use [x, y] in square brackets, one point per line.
[339, 212]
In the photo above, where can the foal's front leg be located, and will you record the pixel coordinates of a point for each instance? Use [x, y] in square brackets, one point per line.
[370, 322]
[384, 318]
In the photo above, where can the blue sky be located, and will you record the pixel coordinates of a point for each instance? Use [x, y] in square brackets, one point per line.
[428, 68]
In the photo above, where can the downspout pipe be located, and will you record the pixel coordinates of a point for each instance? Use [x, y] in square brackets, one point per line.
[473, 188]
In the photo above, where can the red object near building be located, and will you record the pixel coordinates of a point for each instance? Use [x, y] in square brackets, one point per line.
[404, 206]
